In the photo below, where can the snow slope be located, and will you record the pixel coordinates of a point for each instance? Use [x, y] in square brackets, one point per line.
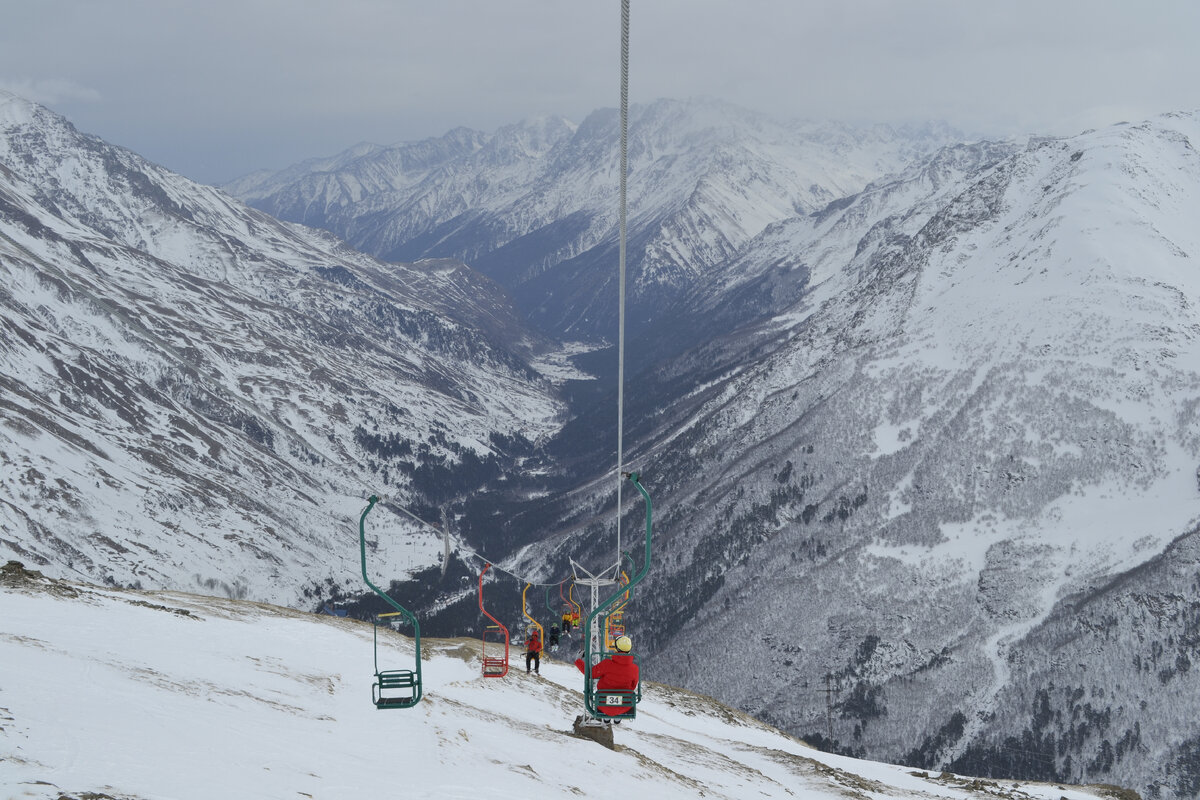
[168, 696]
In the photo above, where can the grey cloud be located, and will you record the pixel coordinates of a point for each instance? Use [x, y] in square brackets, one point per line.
[219, 88]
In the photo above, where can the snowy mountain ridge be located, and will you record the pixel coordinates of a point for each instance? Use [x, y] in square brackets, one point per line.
[935, 439]
[958, 459]
[196, 395]
[978, 415]
[533, 205]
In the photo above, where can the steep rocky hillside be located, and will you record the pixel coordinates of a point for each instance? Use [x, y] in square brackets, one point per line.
[939, 476]
[197, 395]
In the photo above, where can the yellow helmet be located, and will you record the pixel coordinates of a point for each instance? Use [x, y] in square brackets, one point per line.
[623, 644]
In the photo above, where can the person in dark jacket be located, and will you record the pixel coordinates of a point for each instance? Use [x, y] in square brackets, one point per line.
[617, 673]
[552, 639]
[533, 651]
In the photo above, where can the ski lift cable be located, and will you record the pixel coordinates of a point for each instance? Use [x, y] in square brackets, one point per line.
[621, 263]
[468, 551]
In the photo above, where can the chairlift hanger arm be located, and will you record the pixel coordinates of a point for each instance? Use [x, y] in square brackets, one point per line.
[525, 611]
[591, 702]
[362, 541]
[493, 667]
[404, 680]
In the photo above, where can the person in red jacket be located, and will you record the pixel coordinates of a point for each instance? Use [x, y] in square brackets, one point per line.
[617, 673]
[533, 650]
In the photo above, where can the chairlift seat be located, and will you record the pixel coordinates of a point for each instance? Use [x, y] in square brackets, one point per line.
[404, 680]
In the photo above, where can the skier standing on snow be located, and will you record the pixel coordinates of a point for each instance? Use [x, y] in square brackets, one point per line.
[533, 650]
[617, 673]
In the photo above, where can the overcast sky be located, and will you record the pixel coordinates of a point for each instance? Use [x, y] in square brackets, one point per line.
[214, 89]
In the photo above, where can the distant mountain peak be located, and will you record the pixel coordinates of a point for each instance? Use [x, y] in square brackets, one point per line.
[533, 205]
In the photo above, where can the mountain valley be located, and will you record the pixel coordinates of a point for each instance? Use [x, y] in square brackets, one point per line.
[918, 415]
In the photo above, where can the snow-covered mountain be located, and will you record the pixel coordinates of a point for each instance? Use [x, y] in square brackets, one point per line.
[958, 474]
[939, 443]
[193, 394]
[924, 456]
[534, 206]
[123, 694]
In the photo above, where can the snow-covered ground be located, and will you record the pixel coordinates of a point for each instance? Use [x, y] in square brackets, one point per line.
[135, 695]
